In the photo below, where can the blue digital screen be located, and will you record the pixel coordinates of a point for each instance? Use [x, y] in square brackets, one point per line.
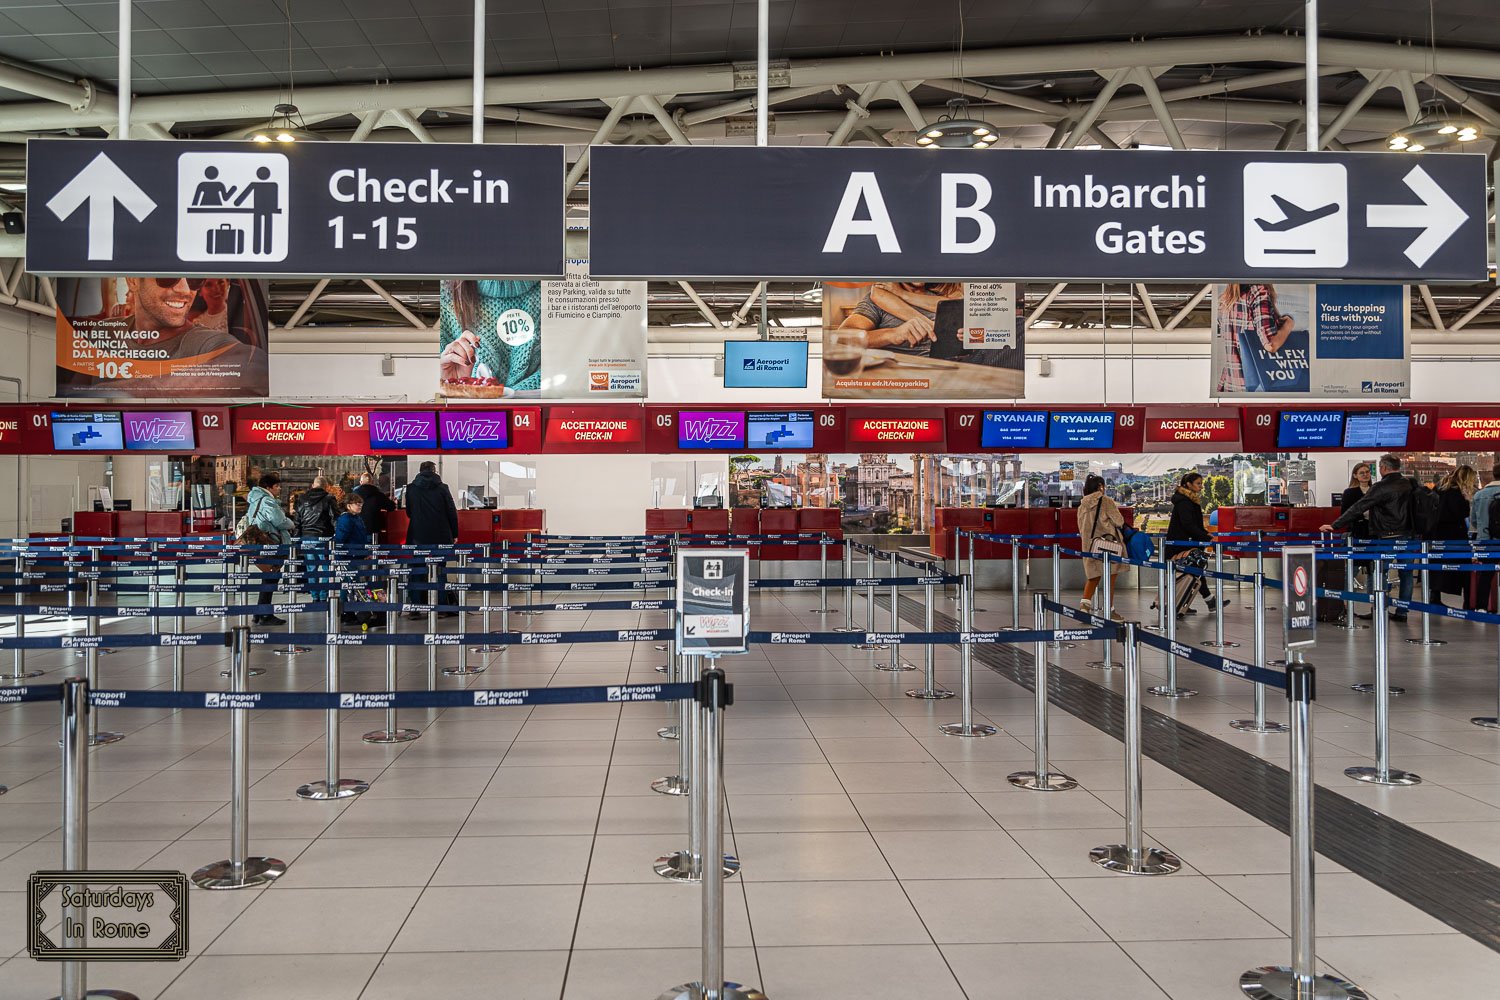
[81, 430]
[780, 431]
[1014, 429]
[1376, 430]
[1310, 429]
[397, 430]
[765, 364]
[1093, 429]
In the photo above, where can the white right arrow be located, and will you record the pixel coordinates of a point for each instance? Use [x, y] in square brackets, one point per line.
[1438, 216]
[101, 184]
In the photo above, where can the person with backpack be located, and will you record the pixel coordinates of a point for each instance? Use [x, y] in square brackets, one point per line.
[1391, 508]
[350, 533]
[315, 513]
[1186, 525]
[1100, 525]
[434, 521]
[1454, 494]
[263, 512]
[1484, 521]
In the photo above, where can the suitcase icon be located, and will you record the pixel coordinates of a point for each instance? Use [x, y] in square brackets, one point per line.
[226, 239]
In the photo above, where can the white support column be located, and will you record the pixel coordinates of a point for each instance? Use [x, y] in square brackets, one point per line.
[476, 127]
[122, 130]
[1095, 109]
[762, 77]
[1310, 60]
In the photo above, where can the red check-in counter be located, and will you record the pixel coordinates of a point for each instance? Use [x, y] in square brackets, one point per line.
[134, 524]
[477, 527]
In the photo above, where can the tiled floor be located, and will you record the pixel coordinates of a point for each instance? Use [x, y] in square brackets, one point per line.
[510, 849]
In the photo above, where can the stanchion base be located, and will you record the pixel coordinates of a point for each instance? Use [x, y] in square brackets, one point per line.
[1052, 781]
[846, 628]
[679, 867]
[490, 649]
[1374, 777]
[930, 694]
[254, 672]
[223, 874]
[895, 668]
[1347, 627]
[1251, 726]
[102, 739]
[959, 729]
[391, 736]
[1226, 644]
[822, 611]
[659, 646]
[1063, 645]
[1162, 691]
[730, 991]
[1393, 690]
[667, 732]
[672, 784]
[109, 994]
[290, 650]
[464, 671]
[662, 669]
[21, 678]
[869, 646]
[1105, 664]
[344, 788]
[1153, 860]
[1487, 723]
[528, 614]
[1275, 982]
[1426, 642]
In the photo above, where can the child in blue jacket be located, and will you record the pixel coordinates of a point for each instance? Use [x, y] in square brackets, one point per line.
[350, 532]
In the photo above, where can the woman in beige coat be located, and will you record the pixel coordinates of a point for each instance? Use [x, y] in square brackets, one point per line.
[1099, 518]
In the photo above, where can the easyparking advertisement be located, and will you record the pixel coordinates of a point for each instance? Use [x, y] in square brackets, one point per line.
[1311, 341]
[923, 340]
[578, 338]
[152, 338]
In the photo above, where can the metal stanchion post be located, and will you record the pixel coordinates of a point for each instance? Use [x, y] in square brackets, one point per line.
[93, 574]
[1015, 585]
[674, 660]
[1259, 723]
[1106, 605]
[1040, 778]
[151, 601]
[1378, 601]
[332, 786]
[710, 804]
[870, 599]
[929, 690]
[433, 596]
[1170, 689]
[243, 570]
[822, 608]
[1162, 575]
[1350, 624]
[897, 664]
[1132, 857]
[848, 560]
[687, 866]
[1300, 980]
[533, 555]
[1426, 638]
[485, 572]
[1057, 594]
[19, 674]
[179, 624]
[91, 668]
[1382, 773]
[240, 871]
[391, 733]
[1493, 721]
[463, 668]
[75, 833]
[966, 726]
[677, 784]
[1219, 642]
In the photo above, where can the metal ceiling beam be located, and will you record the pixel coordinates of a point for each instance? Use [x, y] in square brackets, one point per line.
[1104, 57]
[1373, 83]
[1097, 106]
[1146, 79]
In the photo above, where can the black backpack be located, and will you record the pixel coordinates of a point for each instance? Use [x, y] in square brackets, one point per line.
[1491, 517]
[1425, 509]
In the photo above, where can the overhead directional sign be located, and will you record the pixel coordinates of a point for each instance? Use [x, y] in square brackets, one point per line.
[911, 214]
[292, 209]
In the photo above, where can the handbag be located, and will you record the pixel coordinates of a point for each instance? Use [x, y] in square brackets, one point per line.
[1115, 548]
[1284, 371]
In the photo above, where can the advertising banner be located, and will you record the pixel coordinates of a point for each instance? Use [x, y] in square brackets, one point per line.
[147, 338]
[575, 338]
[923, 340]
[1311, 341]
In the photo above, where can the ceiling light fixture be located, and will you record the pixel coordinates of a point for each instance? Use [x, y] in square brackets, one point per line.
[286, 124]
[957, 130]
[1434, 128]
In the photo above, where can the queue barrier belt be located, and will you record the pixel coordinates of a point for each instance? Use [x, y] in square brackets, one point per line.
[355, 700]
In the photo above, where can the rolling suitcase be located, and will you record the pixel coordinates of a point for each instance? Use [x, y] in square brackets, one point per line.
[226, 239]
[1187, 583]
[1331, 576]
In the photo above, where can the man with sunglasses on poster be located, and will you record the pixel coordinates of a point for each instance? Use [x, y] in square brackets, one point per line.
[166, 320]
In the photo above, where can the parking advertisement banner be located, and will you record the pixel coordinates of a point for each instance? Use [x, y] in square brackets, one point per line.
[713, 606]
[1311, 341]
[148, 338]
[923, 340]
[578, 338]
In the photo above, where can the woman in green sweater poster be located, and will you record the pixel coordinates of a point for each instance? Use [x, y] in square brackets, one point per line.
[490, 336]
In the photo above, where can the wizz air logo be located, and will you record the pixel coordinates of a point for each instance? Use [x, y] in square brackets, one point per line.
[469, 430]
[162, 430]
[399, 429]
[709, 429]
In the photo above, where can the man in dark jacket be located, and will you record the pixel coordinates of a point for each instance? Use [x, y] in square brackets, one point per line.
[1387, 509]
[314, 517]
[376, 504]
[434, 519]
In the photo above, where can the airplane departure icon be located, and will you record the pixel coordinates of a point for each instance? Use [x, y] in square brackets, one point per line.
[1295, 216]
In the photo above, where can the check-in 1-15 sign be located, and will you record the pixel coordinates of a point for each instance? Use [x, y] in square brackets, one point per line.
[866, 214]
[293, 209]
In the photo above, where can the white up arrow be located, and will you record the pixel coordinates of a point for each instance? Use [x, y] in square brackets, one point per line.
[101, 184]
[1438, 216]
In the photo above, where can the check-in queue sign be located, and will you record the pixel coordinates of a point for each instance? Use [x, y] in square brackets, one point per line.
[1299, 605]
[294, 209]
[713, 601]
[1030, 214]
